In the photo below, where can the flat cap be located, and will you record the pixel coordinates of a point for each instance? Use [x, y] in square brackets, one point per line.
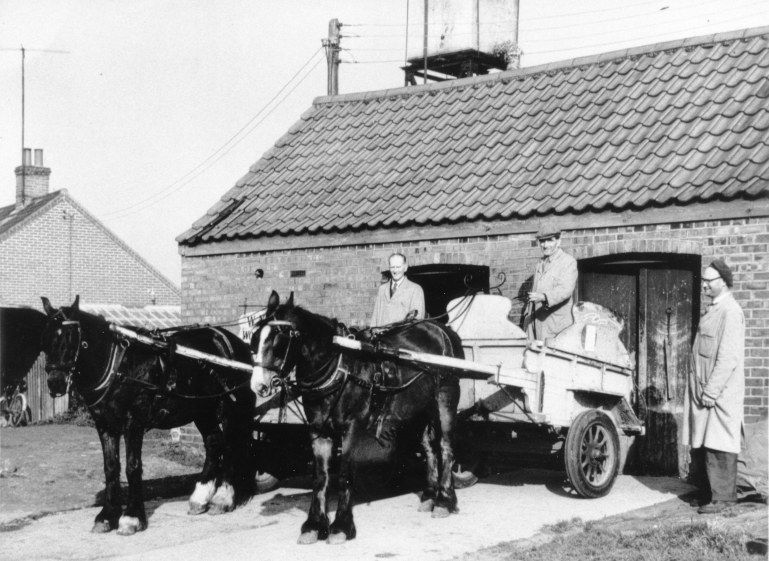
[547, 230]
[724, 271]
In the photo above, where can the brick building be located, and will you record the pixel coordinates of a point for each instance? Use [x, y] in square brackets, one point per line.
[51, 246]
[653, 160]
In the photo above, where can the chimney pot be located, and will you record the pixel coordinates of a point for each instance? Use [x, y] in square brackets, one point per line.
[28, 156]
[39, 158]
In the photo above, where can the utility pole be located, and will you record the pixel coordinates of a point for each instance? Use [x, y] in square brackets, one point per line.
[332, 55]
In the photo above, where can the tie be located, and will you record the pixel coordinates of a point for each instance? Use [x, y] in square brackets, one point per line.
[393, 288]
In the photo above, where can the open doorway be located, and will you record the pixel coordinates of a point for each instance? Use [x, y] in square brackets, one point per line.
[443, 282]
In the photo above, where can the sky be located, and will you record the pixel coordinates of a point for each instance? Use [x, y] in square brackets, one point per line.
[149, 111]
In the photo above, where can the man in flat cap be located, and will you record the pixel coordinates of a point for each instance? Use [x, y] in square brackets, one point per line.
[713, 407]
[551, 298]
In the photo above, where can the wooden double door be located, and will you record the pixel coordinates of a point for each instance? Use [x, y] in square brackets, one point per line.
[658, 296]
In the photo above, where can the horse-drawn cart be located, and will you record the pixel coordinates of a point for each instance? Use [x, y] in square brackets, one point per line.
[577, 387]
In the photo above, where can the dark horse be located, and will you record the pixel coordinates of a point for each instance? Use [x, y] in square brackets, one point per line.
[343, 395]
[130, 387]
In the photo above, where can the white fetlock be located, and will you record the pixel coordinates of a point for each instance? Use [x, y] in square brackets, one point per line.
[223, 500]
[201, 497]
[440, 512]
[426, 506]
[308, 538]
[128, 526]
[336, 539]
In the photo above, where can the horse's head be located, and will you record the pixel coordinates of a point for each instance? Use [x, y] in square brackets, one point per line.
[61, 342]
[275, 345]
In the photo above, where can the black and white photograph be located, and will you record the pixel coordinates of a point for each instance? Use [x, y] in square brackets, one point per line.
[435, 280]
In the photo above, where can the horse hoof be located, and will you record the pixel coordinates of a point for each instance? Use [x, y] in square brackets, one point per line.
[426, 506]
[128, 526]
[440, 512]
[196, 508]
[308, 537]
[336, 539]
[215, 509]
[101, 527]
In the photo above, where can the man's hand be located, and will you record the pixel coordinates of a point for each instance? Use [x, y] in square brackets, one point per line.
[708, 401]
[537, 297]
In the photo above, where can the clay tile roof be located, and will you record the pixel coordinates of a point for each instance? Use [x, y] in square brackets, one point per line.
[681, 121]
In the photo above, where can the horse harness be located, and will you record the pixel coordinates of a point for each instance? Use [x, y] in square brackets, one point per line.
[112, 374]
[324, 381]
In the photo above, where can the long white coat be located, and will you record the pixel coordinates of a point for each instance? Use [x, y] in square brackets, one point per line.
[409, 296]
[717, 371]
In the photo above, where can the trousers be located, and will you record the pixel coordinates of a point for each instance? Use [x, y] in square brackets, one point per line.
[721, 470]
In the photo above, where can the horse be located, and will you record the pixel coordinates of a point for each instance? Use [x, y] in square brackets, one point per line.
[131, 387]
[345, 395]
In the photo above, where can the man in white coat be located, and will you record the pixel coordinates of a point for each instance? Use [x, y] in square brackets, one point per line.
[713, 408]
[551, 298]
[399, 297]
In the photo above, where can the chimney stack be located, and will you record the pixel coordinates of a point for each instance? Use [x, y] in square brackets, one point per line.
[31, 180]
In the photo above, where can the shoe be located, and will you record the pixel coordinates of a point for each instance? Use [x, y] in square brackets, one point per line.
[713, 508]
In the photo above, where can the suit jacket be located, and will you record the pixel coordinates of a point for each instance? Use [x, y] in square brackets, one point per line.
[556, 279]
[717, 371]
[409, 296]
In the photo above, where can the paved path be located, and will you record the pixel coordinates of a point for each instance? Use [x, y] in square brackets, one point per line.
[502, 508]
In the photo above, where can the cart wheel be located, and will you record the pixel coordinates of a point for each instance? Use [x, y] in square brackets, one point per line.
[19, 412]
[462, 476]
[266, 482]
[592, 454]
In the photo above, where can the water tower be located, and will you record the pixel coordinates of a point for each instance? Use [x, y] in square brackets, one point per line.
[459, 38]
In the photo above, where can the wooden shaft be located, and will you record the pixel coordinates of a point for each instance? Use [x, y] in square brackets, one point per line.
[184, 351]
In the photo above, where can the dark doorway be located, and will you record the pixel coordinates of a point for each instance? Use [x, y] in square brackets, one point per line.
[442, 283]
[659, 298]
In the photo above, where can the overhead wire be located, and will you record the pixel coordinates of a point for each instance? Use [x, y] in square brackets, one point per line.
[207, 163]
[595, 45]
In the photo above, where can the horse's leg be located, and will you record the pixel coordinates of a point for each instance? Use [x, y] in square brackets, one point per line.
[429, 443]
[343, 528]
[108, 517]
[134, 517]
[316, 526]
[446, 502]
[237, 477]
[205, 488]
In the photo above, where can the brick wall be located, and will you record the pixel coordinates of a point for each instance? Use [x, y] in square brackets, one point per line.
[37, 261]
[342, 282]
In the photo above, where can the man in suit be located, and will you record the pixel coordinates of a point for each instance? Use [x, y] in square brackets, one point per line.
[399, 297]
[713, 406]
[551, 298]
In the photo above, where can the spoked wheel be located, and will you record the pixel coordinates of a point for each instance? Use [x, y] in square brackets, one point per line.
[592, 454]
[19, 414]
[266, 482]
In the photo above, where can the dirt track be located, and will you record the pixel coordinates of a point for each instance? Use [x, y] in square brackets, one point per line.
[61, 465]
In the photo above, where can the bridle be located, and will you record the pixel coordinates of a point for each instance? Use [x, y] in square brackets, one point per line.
[283, 328]
[70, 367]
[105, 382]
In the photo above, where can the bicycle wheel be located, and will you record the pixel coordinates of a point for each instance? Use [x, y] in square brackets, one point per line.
[18, 411]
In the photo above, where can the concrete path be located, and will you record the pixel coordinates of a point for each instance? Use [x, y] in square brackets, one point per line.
[501, 508]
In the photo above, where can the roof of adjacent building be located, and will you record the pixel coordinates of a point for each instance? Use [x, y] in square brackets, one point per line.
[676, 122]
[13, 221]
[148, 317]
[10, 216]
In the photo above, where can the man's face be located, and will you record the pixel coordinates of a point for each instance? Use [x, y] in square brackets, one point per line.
[398, 267]
[712, 283]
[549, 245]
